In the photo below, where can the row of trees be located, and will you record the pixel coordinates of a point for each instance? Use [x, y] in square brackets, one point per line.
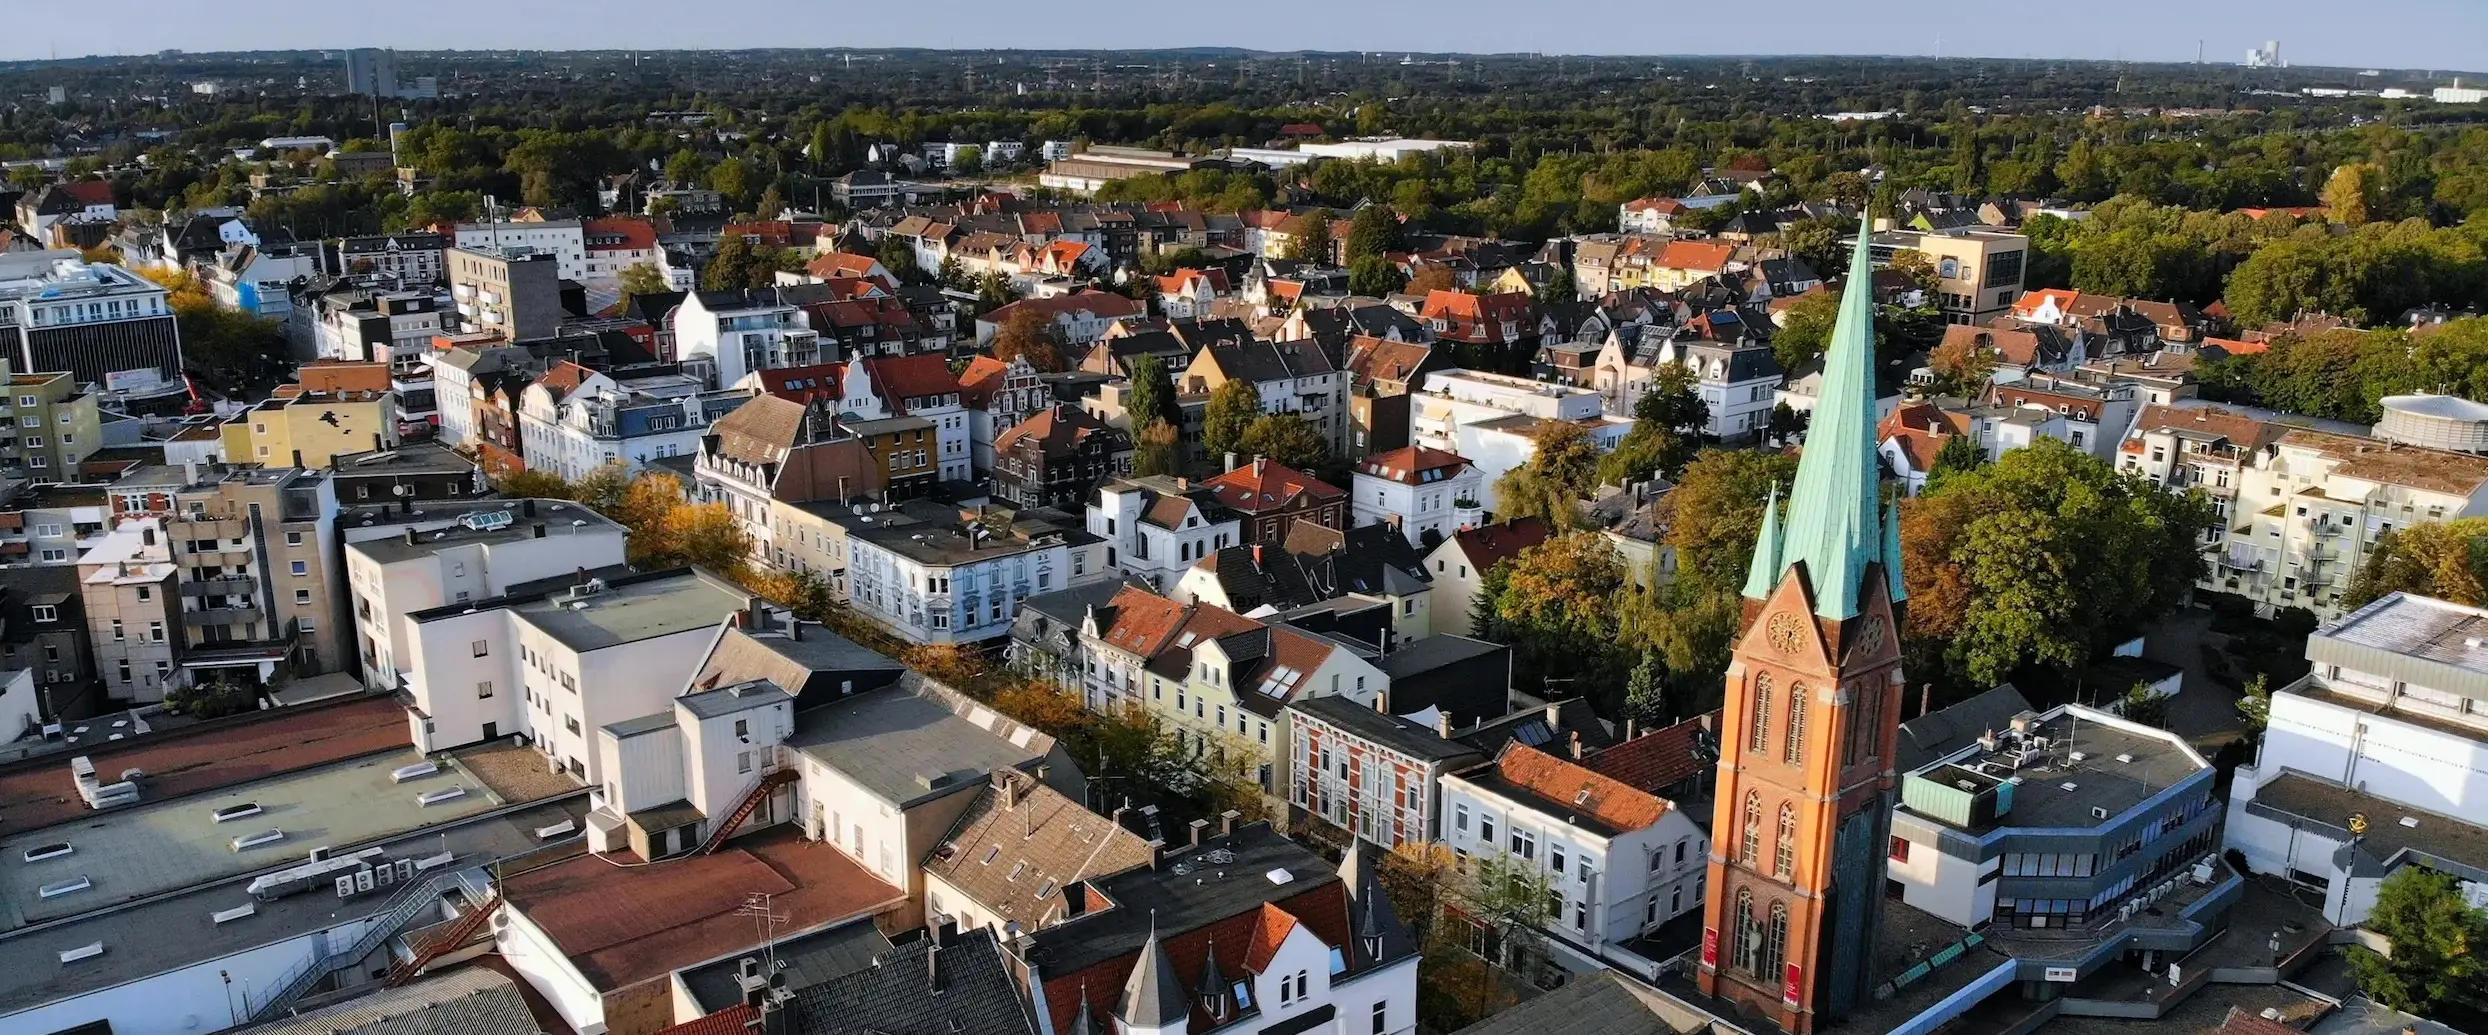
[2345, 374]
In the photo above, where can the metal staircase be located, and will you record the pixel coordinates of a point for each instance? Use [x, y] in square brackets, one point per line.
[435, 948]
[768, 783]
[410, 899]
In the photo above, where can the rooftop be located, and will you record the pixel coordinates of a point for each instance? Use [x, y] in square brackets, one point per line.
[1585, 798]
[1398, 734]
[465, 1001]
[623, 925]
[2418, 627]
[1190, 887]
[549, 518]
[806, 961]
[2122, 765]
[907, 745]
[1020, 844]
[635, 608]
[2392, 828]
[166, 845]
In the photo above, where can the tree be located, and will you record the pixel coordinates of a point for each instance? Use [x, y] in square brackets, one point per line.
[1956, 455]
[2141, 704]
[1914, 266]
[1152, 397]
[1665, 420]
[1644, 698]
[701, 534]
[968, 162]
[1373, 276]
[2350, 194]
[1561, 472]
[1286, 439]
[2447, 560]
[1557, 610]
[1786, 423]
[732, 178]
[1431, 278]
[2435, 969]
[1962, 365]
[1030, 335]
[1718, 502]
[685, 167]
[1233, 406]
[531, 484]
[2027, 567]
[899, 258]
[1817, 241]
[1805, 330]
[733, 265]
[2254, 705]
[1372, 233]
[1308, 237]
[1155, 450]
[642, 278]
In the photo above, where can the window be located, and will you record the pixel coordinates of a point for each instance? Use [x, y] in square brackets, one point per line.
[1900, 849]
[1382, 1017]
[742, 761]
[146, 592]
[116, 630]
[1749, 847]
[46, 613]
[571, 723]
[1784, 861]
[1758, 738]
[482, 648]
[301, 568]
[155, 632]
[1796, 725]
[483, 689]
[1555, 858]
[293, 539]
[302, 596]
[1746, 954]
[1460, 818]
[1486, 830]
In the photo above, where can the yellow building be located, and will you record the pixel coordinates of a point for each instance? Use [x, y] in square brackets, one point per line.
[1978, 272]
[50, 426]
[337, 408]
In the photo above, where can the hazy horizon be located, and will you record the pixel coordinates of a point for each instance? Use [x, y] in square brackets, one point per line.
[2447, 32]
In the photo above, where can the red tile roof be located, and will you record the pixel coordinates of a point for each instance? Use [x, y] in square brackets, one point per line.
[1270, 930]
[1262, 485]
[1408, 464]
[980, 380]
[623, 925]
[2240, 1022]
[1584, 791]
[805, 384]
[1058, 430]
[1656, 760]
[900, 378]
[1488, 545]
[565, 377]
[1322, 911]
[1372, 359]
[92, 192]
[733, 1020]
[835, 265]
[1102, 304]
[1701, 256]
[1663, 206]
[620, 233]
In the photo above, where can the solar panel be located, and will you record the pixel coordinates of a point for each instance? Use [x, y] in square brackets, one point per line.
[1533, 734]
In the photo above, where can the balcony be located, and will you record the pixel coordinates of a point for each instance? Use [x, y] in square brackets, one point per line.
[237, 615]
[219, 585]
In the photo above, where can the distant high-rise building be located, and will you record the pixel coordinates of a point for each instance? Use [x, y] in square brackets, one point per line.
[371, 72]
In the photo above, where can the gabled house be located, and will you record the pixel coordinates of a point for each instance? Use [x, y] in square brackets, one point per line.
[1156, 527]
[1460, 563]
[1292, 377]
[998, 396]
[1188, 292]
[1270, 498]
[1424, 494]
[1056, 457]
[1381, 372]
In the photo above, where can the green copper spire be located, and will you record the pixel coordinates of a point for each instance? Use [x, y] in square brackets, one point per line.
[1892, 552]
[1762, 576]
[1835, 509]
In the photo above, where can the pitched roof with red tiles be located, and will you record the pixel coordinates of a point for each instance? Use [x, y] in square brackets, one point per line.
[903, 378]
[1271, 927]
[1701, 256]
[1372, 359]
[1059, 431]
[92, 192]
[565, 377]
[804, 384]
[620, 233]
[1262, 485]
[1663, 206]
[1570, 787]
[1488, 545]
[1410, 465]
[2241, 430]
[733, 1020]
[1105, 305]
[2028, 305]
[833, 265]
[1920, 429]
[1187, 280]
[1659, 759]
[1138, 621]
[2235, 347]
[980, 380]
[1322, 911]
[2240, 1022]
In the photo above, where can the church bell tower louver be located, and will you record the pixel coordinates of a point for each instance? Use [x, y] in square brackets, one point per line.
[1794, 899]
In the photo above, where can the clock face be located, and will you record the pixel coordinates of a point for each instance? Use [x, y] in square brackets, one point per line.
[1870, 636]
[1786, 632]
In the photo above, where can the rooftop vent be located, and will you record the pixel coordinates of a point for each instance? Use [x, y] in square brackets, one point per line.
[2127, 759]
[2070, 785]
[55, 850]
[264, 837]
[230, 813]
[87, 951]
[223, 916]
[1280, 876]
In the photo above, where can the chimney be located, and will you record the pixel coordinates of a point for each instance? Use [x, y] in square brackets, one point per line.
[933, 956]
[1576, 746]
[297, 459]
[1382, 701]
[1442, 723]
[527, 507]
[1009, 787]
[1554, 714]
[578, 577]
[410, 537]
[794, 631]
[1259, 462]
[147, 535]
[1231, 464]
[758, 609]
[1256, 556]
[1198, 826]
[1926, 698]
[1628, 729]
[1183, 485]
[539, 527]
[1227, 821]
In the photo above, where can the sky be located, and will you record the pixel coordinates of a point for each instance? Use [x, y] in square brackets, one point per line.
[2394, 34]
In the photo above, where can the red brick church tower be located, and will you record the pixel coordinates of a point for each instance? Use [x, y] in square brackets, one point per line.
[1812, 721]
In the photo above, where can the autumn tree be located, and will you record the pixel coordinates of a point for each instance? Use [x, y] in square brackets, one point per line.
[1962, 365]
[2350, 193]
[1152, 392]
[533, 484]
[1157, 450]
[1308, 237]
[1561, 472]
[2447, 560]
[1957, 454]
[1286, 439]
[705, 535]
[1030, 335]
[1430, 278]
[1233, 406]
[1666, 421]
[1555, 607]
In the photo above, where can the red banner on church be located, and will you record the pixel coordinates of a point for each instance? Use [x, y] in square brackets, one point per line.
[1793, 979]
[1710, 947]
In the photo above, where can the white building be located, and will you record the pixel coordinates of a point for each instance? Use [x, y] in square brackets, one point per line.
[1156, 528]
[1492, 419]
[574, 420]
[101, 323]
[2308, 513]
[565, 239]
[943, 584]
[1739, 382]
[2390, 727]
[556, 665]
[723, 335]
[1418, 490]
[1386, 150]
[475, 557]
[1618, 861]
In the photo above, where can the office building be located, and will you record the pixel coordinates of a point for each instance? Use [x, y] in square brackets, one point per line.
[99, 323]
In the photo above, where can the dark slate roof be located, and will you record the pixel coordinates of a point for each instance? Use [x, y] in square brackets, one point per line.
[1532, 726]
[1389, 731]
[810, 960]
[1944, 730]
[901, 995]
[1435, 653]
[1596, 1004]
[1367, 559]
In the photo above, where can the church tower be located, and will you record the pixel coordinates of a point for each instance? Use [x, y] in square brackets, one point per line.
[1795, 895]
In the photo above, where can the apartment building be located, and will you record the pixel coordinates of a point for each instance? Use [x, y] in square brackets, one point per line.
[488, 552]
[306, 425]
[126, 585]
[1269, 499]
[392, 327]
[1156, 527]
[2307, 515]
[574, 420]
[953, 581]
[514, 290]
[1292, 377]
[1978, 272]
[1490, 419]
[411, 258]
[48, 425]
[771, 451]
[723, 336]
[562, 240]
[1370, 774]
[1426, 494]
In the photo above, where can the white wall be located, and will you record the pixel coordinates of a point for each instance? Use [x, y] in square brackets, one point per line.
[1945, 885]
[533, 954]
[193, 999]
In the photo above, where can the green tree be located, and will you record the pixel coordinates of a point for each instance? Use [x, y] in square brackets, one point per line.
[1817, 241]
[1372, 232]
[2436, 967]
[1556, 608]
[1805, 330]
[685, 168]
[1373, 276]
[1666, 420]
[1719, 501]
[1644, 697]
[2350, 193]
[532, 484]
[968, 162]
[1286, 439]
[1561, 472]
[1233, 406]
[642, 278]
[2140, 704]
[1152, 395]
[899, 258]
[732, 266]
[733, 179]
[1155, 450]
[1957, 455]
[2254, 705]
[1308, 236]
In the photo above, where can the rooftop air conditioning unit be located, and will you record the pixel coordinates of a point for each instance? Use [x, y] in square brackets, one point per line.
[2098, 812]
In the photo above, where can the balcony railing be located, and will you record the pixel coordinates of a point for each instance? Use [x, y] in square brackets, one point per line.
[236, 615]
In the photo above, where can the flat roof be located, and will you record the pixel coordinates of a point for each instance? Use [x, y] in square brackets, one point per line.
[2122, 766]
[634, 610]
[2418, 627]
[904, 746]
[928, 543]
[189, 760]
[559, 517]
[151, 848]
[624, 925]
[177, 931]
[2391, 827]
[411, 458]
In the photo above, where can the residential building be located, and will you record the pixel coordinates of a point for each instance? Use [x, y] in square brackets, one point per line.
[1635, 519]
[1021, 854]
[949, 977]
[574, 420]
[2371, 763]
[771, 450]
[2308, 514]
[616, 243]
[392, 327]
[53, 523]
[556, 663]
[52, 425]
[40, 208]
[564, 240]
[721, 336]
[1736, 374]
[407, 259]
[126, 587]
[1619, 861]
[1426, 494]
[1046, 640]
[315, 426]
[1156, 527]
[487, 552]
[1381, 374]
[1460, 562]
[1490, 419]
[950, 582]
[43, 633]
[997, 396]
[1648, 215]
[1978, 272]
[258, 584]
[1269, 499]
[2095, 417]
[1972, 851]
[1371, 774]
[1188, 293]
[412, 473]
[1079, 318]
[919, 387]
[100, 323]
[512, 289]
[259, 279]
[1057, 457]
